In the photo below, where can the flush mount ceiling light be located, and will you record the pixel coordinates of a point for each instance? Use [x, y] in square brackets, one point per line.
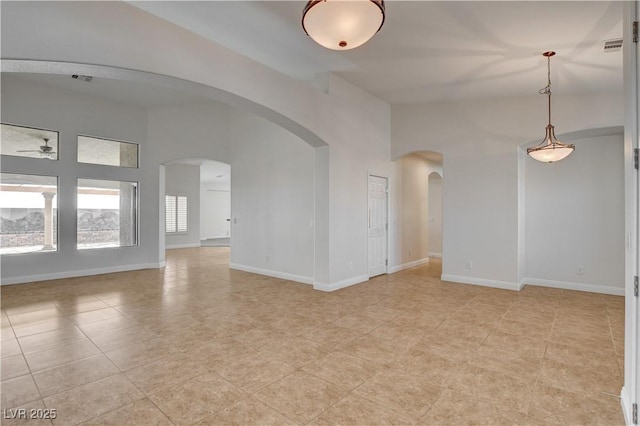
[550, 149]
[342, 24]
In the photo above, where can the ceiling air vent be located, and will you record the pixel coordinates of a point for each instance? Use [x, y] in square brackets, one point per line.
[86, 78]
[614, 45]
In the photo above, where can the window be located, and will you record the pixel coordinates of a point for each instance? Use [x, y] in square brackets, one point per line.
[28, 210]
[30, 142]
[176, 214]
[107, 213]
[107, 152]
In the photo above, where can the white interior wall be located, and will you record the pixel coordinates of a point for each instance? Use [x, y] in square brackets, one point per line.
[479, 141]
[183, 179]
[29, 104]
[435, 215]
[272, 182]
[574, 218]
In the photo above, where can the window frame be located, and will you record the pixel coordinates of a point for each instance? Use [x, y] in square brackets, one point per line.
[176, 232]
[57, 147]
[136, 215]
[56, 222]
[79, 135]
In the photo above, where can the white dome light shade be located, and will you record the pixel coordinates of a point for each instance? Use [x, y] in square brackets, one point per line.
[550, 149]
[342, 24]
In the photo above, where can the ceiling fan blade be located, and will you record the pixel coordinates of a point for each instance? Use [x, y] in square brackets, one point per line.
[28, 150]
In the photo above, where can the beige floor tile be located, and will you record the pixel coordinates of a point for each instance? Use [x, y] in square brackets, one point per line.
[575, 355]
[477, 383]
[167, 372]
[255, 371]
[581, 378]
[523, 344]
[92, 400]
[331, 337]
[77, 373]
[343, 370]
[408, 394]
[13, 366]
[508, 362]
[297, 351]
[452, 409]
[143, 353]
[10, 347]
[175, 327]
[353, 410]
[41, 326]
[247, 412]
[573, 408]
[18, 391]
[35, 316]
[300, 396]
[116, 323]
[50, 339]
[60, 355]
[436, 368]
[28, 307]
[115, 339]
[197, 398]
[358, 322]
[6, 333]
[72, 307]
[141, 412]
[373, 349]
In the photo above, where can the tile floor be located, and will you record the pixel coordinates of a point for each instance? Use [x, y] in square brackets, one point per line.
[196, 343]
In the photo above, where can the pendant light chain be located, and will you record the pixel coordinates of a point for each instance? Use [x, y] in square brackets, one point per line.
[547, 89]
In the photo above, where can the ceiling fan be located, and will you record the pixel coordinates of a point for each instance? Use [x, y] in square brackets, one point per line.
[45, 150]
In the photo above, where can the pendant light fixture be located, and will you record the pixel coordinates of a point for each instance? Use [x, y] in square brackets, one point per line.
[550, 149]
[342, 24]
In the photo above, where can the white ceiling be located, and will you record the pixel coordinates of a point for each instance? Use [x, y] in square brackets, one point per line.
[428, 50]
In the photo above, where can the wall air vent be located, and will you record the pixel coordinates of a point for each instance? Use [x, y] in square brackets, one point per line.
[86, 78]
[614, 45]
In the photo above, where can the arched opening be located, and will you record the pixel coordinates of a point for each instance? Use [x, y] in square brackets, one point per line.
[197, 210]
[435, 215]
[177, 124]
[419, 205]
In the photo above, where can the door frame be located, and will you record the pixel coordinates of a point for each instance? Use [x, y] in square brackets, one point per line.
[388, 203]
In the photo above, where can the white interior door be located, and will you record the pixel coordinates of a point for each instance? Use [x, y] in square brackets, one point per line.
[218, 211]
[377, 225]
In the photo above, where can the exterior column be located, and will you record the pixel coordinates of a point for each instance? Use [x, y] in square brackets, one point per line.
[48, 220]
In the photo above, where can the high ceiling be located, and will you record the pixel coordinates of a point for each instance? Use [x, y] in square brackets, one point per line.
[428, 51]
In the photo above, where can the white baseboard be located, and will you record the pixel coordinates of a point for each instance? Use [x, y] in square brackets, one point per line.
[78, 273]
[178, 246]
[603, 289]
[626, 407]
[340, 284]
[276, 274]
[483, 282]
[438, 255]
[398, 268]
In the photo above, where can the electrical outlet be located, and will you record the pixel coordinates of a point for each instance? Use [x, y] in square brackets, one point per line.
[580, 270]
[469, 264]
[409, 253]
[350, 265]
[266, 259]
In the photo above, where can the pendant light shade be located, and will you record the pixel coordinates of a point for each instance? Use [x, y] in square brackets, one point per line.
[550, 149]
[342, 24]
